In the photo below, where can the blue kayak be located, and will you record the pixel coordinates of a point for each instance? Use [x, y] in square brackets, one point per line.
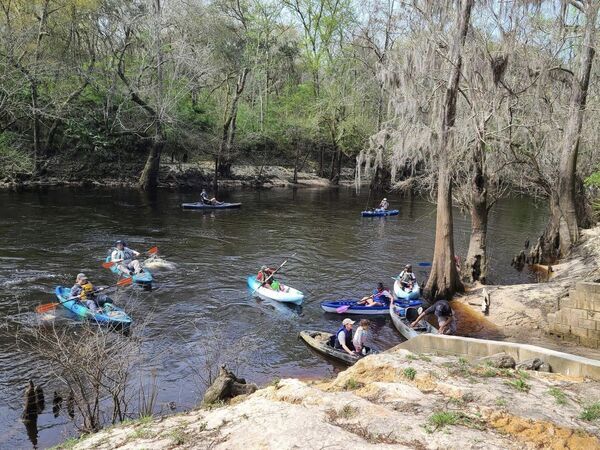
[402, 293]
[380, 212]
[200, 205]
[355, 308]
[144, 278]
[113, 315]
[285, 294]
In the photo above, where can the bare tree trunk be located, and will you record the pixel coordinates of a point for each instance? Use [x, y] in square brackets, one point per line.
[562, 230]
[475, 267]
[229, 128]
[149, 177]
[444, 281]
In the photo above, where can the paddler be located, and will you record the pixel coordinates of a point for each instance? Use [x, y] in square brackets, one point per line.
[264, 276]
[384, 205]
[126, 258]
[380, 297]
[444, 314]
[86, 294]
[204, 198]
[407, 278]
[343, 337]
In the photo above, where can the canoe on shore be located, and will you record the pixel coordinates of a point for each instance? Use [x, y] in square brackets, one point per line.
[380, 213]
[402, 320]
[113, 315]
[285, 295]
[200, 205]
[355, 308]
[144, 278]
[400, 292]
[320, 342]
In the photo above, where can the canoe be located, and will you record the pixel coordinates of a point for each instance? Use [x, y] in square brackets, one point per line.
[380, 213]
[402, 318]
[354, 308]
[320, 342]
[200, 205]
[115, 317]
[144, 278]
[287, 295]
[401, 293]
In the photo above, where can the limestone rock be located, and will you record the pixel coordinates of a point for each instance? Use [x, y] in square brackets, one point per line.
[499, 361]
[529, 364]
[544, 367]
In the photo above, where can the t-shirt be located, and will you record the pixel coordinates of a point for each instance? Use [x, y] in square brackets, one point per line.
[407, 277]
[360, 337]
[441, 308]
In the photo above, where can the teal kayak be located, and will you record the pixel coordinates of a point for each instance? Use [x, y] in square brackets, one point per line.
[144, 278]
[285, 294]
[113, 315]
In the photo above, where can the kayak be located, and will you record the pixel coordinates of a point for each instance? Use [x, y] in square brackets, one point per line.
[355, 308]
[286, 295]
[200, 205]
[380, 213]
[143, 278]
[321, 342]
[403, 318]
[402, 293]
[115, 316]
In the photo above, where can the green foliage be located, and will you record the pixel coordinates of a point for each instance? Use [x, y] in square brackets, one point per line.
[13, 160]
[593, 180]
[519, 384]
[409, 373]
[352, 384]
[558, 395]
[441, 419]
[591, 412]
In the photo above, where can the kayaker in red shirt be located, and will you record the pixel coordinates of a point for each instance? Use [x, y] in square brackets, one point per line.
[263, 274]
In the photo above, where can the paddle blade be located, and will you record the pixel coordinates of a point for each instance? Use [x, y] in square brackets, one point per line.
[125, 282]
[41, 309]
[424, 264]
[108, 265]
[153, 251]
[342, 309]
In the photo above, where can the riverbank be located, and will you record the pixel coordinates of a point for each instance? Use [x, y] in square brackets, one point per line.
[519, 312]
[396, 399]
[192, 176]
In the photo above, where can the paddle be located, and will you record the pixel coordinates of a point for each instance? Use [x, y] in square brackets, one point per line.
[342, 309]
[50, 306]
[109, 264]
[271, 276]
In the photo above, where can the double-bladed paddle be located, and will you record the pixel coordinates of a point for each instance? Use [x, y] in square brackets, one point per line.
[109, 264]
[50, 306]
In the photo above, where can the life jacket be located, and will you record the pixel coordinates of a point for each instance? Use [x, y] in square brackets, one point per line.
[380, 297]
[348, 337]
[126, 254]
[264, 274]
[87, 291]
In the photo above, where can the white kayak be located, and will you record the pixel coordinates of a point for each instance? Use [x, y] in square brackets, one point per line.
[285, 294]
[400, 292]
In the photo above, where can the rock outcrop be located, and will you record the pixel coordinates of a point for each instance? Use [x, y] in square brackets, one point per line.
[395, 399]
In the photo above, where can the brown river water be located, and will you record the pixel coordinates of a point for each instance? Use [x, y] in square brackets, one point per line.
[47, 237]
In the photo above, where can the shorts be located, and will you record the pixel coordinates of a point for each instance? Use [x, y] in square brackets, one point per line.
[452, 328]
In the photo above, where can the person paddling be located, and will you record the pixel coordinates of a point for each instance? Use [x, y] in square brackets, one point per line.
[126, 258]
[204, 198]
[407, 278]
[343, 337]
[444, 314]
[86, 294]
[380, 297]
[384, 205]
[265, 278]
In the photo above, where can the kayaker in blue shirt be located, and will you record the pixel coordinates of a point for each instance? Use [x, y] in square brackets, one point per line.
[380, 297]
[126, 257]
[87, 295]
[343, 337]
[444, 315]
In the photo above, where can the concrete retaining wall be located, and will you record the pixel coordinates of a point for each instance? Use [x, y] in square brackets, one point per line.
[472, 348]
[578, 317]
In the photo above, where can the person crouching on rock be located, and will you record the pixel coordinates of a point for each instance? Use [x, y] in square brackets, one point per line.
[444, 314]
[86, 294]
[343, 337]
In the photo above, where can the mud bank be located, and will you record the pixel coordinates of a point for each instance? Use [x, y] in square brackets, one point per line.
[396, 399]
[519, 312]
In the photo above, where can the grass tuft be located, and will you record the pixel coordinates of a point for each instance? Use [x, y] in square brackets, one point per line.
[558, 395]
[519, 385]
[352, 384]
[409, 373]
[591, 412]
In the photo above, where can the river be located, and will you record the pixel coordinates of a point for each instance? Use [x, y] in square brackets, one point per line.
[49, 236]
